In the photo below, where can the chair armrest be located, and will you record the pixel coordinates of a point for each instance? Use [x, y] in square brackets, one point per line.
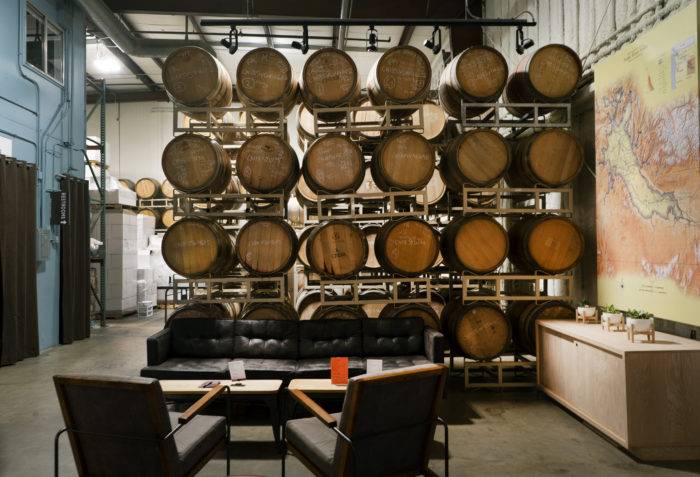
[313, 408]
[158, 347]
[434, 344]
[203, 402]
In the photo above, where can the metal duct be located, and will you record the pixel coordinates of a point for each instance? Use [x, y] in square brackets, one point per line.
[106, 21]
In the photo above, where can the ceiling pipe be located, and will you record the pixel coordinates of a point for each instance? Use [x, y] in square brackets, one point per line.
[105, 20]
[344, 14]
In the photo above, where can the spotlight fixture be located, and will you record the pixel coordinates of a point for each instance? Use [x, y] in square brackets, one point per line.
[434, 43]
[304, 45]
[371, 39]
[232, 42]
[522, 43]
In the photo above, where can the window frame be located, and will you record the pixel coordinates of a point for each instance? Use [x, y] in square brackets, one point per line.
[45, 22]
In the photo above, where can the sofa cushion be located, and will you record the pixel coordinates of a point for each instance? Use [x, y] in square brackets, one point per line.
[267, 368]
[201, 338]
[188, 368]
[397, 362]
[392, 336]
[266, 339]
[321, 367]
[328, 338]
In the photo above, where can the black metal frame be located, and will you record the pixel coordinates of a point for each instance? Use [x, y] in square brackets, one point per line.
[227, 437]
[237, 22]
[347, 439]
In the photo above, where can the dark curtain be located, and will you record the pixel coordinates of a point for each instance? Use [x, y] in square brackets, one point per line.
[19, 327]
[75, 263]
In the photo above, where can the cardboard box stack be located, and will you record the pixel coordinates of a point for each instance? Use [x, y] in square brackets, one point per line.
[121, 262]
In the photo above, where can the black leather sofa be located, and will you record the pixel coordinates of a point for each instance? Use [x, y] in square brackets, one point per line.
[200, 348]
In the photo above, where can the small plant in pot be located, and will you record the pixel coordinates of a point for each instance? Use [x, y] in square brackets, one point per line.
[611, 317]
[585, 312]
[641, 320]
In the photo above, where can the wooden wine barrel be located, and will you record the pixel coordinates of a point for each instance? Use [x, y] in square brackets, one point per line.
[403, 161]
[167, 189]
[372, 310]
[478, 158]
[168, 218]
[549, 75]
[549, 243]
[268, 311]
[407, 246]
[479, 330]
[309, 301]
[295, 213]
[371, 232]
[524, 314]
[476, 75]
[305, 127]
[338, 312]
[196, 164]
[266, 246]
[150, 212]
[329, 80]
[264, 78]
[194, 247]
[434, 121]
[333, 164]
[303, 237]
[437, 303]
[368, 185]
[476, 243]
[192, 77]
[551, 158]
[337, 249]
[222, 311]
[410, 310]
[435, 190]
[400, 76]
[266, 164]
[127, 184]
[369, 117]
[304, 194]
[147, 188]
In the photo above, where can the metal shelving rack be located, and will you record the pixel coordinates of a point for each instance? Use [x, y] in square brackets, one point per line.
[101, 205]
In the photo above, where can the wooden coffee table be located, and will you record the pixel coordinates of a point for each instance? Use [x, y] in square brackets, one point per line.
[249, 390]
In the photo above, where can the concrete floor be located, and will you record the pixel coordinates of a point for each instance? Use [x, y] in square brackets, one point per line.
[491, 433]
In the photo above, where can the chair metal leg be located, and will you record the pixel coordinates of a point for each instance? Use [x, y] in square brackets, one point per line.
[284, 448]
[55, 451]
[447, 447]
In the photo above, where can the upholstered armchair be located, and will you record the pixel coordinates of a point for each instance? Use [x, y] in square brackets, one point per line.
[386, 426]
[121, 426]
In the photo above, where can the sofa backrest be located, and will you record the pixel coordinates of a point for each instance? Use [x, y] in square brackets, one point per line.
[201, 338]
[277, 339]
[392, 336]
[328, 338]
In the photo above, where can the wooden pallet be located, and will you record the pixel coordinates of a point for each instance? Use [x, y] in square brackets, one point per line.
[492, 373]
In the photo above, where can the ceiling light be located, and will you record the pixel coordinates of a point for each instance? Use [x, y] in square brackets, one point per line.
[232, 42]
[434, 43]
[522, 43]
[105, 62]
[371, 39]
[304, 45]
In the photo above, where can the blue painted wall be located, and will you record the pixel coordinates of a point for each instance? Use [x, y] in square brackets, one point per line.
[46, 123]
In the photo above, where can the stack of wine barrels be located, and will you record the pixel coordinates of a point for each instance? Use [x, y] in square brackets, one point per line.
[336, 163]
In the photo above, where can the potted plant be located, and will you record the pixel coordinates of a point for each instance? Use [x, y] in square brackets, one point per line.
[585, 312]
[611, 316]
[641, 320]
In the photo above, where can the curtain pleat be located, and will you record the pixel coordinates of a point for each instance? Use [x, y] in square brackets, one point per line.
[19, 335]
[75, 264]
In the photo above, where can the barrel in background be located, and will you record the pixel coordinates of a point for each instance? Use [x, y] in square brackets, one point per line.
[266, 246]
[478, 158]
[407, 247]
[264, 78]
[550, 158]
[195, 247]
[196, 164]
[339, 312]
[476, 75]
[147, 188]
[475, 243]
[523, 316]
[337, 249]
[549, 243]
[549, 75]
[268, 311]
[194, 78]
[410, 310]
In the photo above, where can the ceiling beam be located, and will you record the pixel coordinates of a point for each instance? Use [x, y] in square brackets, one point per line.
[311, 8]
[345, 7]
[129, 96]
[406, 34]
[131, 28]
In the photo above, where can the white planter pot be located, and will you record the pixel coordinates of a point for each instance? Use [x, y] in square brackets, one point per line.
[640, 324]
[611, 318]
[586, 311]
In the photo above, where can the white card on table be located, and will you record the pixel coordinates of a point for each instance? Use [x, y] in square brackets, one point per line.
[374, 366]
[236, 370]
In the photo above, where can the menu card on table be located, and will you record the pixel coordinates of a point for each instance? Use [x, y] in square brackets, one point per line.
[339, 371]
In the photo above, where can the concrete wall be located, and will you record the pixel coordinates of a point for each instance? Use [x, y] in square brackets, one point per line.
[45, 122]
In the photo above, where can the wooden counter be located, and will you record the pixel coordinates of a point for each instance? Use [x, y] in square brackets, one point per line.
[644, 396]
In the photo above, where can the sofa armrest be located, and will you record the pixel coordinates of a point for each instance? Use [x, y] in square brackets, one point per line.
[158, 347]
[434, 343]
